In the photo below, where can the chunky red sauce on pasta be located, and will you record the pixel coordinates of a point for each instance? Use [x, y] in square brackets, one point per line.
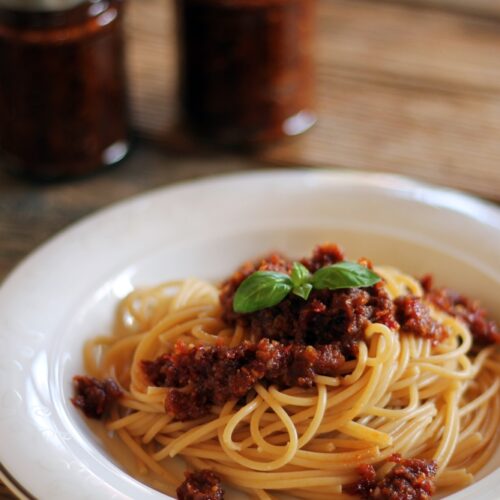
[414, 316]
[483, 329]
[327, 316]
[201, 485]
[409, 479]
[217, 374]
[94, 397]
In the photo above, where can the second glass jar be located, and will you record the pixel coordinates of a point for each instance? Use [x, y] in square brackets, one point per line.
[246, 68]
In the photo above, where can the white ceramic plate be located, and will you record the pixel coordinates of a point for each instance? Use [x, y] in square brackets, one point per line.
[66, 291]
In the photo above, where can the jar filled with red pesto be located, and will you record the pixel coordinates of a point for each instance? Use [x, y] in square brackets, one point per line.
[246, 68]
[62, 86]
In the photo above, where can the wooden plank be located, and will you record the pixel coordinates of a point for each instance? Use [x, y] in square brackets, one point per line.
[444, 138]
[470, 7]
[410, 45]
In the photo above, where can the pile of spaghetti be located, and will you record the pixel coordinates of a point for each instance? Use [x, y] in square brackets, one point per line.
[315, 396]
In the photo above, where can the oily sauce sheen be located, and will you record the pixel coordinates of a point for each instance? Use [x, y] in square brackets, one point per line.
[201, 377]
[409, 479]
[202, 485]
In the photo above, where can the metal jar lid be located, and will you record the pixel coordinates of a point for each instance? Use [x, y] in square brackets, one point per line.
[40, 5]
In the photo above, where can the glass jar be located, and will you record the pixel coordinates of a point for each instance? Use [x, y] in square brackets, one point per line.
[62, 86]
[246, 68]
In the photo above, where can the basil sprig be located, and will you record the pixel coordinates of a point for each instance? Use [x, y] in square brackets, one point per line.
[264, 289]
[260, 290]
[344, 275]
[301, 280]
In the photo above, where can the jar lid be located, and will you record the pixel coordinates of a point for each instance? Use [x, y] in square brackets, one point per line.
[40, 5]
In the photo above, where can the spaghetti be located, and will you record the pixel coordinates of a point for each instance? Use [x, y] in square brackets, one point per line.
[399, 393]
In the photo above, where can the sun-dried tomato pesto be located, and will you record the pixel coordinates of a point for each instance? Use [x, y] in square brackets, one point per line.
[483, 329]
[246, 68]
[338, 316]
[414, 316]
[95, 397]
[63, 108]
[201, 485]
[204, 376]
[409, 479]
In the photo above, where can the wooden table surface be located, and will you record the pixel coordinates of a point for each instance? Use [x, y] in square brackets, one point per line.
[409, 86]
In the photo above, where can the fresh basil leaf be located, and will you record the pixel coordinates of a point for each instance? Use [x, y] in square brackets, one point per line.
[260, 290]
[344, 275]
[300, 274]
[303, 291]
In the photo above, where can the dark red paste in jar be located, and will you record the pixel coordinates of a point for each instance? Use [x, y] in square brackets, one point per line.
[246, 68]
[62, 89]
[409, 479]
[201, 485]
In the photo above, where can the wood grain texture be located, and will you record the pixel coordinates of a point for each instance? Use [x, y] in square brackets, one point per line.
[430, 49]
[487, 8]
[401, 88]
[402, 130]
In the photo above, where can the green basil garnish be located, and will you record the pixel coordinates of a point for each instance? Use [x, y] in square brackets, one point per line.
[303, 291]
[344, 275]
[264, 289]
[300, 274]
[260, 290]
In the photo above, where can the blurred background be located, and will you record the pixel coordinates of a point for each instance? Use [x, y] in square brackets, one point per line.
[402, 86]
[405, 86]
